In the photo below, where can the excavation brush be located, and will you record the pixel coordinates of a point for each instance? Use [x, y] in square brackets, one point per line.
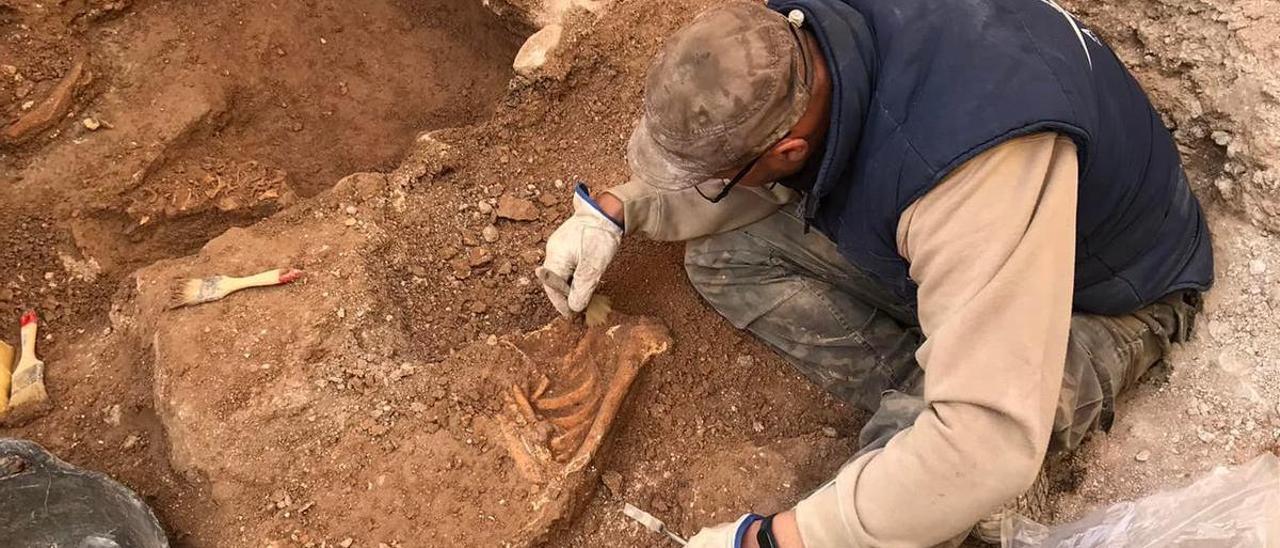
[651, 523]
[28, 397]
[205, 290]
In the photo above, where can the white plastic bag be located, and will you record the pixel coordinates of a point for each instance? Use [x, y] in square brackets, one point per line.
[1230, 508]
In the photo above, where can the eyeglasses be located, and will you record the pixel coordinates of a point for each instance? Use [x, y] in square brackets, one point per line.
[736, 178]
[808, 82]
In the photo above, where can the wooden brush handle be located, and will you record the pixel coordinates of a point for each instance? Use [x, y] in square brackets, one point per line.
[270, 277]
[30, 328]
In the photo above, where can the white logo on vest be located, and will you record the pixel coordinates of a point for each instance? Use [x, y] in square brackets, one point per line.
[1075, 26]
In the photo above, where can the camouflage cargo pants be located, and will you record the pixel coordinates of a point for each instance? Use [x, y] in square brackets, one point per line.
[843, 331]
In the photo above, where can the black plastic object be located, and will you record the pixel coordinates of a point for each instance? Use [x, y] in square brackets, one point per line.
[46, 502]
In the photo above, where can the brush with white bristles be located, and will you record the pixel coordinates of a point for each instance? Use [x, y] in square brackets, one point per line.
[651, 523]
[203, 290]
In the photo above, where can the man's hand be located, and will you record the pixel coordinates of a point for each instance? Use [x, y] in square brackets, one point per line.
[578, 252]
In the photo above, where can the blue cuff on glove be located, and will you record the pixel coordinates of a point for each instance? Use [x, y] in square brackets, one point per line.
[583, 192]
[742, 529]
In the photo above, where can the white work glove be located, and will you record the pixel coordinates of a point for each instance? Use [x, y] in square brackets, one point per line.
[725, 535]
[578, 252]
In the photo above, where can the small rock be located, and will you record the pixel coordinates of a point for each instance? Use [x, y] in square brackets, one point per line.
[505, 268]
[757, 426]
[26, 105]
[1142, 456]
[351, 210]
[559, 183]
[1257, 267]
[418, 270]
[91, 124]
[537, 50]
[1225, 186]
[484, 208]
[460, 269]
[531, 257]
[517, 209]
[829, 432]
[351, 221]
[479, 307]
[112, 415]
[9, 69]
[745, 360]
[1234, 361]
[130, 442]
[548, 199]
[346, 542]
[1218, 330]
[1205, 436]
[479, 256]
[613, 481]
[1222, 138]
[489, 233]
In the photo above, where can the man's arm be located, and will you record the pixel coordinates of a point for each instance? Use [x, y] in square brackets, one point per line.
[684, 215]
[992, 249]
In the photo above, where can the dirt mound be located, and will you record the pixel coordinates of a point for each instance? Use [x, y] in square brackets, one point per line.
[297, 407]
[148, 128]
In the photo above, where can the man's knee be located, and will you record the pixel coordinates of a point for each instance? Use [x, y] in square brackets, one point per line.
[716, 259]
[1107, 355]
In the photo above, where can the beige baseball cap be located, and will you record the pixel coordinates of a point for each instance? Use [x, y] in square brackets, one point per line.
[723, 90]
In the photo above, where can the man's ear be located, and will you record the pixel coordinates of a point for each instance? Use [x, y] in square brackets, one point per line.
[792, 150]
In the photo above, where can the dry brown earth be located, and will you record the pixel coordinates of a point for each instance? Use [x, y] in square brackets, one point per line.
[217, 115]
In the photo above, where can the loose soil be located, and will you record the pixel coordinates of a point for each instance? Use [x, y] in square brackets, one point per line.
[223, 114]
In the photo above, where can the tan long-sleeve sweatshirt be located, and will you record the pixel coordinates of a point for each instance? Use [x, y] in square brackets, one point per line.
[992, 248]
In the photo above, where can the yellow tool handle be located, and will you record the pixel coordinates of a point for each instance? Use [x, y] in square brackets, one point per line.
[30, 328]
[6, 366]
[270, 277]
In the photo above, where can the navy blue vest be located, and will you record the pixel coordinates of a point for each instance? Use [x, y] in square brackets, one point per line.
[921, 86]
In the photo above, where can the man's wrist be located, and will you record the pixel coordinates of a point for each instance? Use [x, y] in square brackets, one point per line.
[611, 206]
[785, 529]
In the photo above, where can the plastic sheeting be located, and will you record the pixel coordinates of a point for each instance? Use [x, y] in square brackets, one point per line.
[1235, 507]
